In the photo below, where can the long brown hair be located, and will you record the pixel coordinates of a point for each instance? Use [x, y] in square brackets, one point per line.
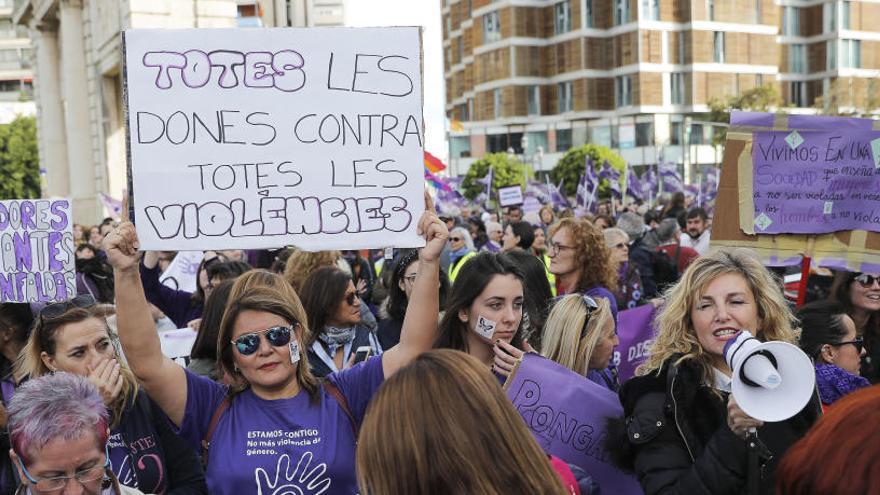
[592, 257]
[44, 339]
[446, 419]
[267, 292]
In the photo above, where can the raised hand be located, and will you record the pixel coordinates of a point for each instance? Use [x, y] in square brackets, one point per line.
[507, 357]
[107, 378]
[433, 230]
[121, 246]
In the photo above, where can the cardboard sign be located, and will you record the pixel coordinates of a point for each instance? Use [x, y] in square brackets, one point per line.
[635, 329]
[181, 274]
[567, 413]
[856, 250]
[510, 196]
[262, 138]
[37, 248]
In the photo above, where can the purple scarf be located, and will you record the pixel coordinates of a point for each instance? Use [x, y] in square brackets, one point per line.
[835, 382]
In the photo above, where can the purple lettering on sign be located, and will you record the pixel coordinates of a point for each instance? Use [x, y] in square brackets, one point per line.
[55, 239]
[7, 292]
[59, 208]
[815, 182]
[22, 244]
[27, 215]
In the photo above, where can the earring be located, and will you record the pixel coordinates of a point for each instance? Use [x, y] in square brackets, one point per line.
[235, 368]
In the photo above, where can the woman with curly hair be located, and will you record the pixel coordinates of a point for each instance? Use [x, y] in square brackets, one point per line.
[684, 432]
[580, 261]
[301, 264]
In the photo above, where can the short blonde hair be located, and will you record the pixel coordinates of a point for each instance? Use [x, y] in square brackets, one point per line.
[562, 340]
[675, 330]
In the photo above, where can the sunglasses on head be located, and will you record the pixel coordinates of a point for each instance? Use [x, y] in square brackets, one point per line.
[57, 309]
[248, 343]
[866, 280]
[591, 305]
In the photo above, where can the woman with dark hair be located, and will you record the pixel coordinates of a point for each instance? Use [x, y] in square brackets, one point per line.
[828, 335]
[859, 294]
[203, 357]
[675, 207]
[485, 305]
[15, 324]
[478, 232]
[537, 296]
[179, 305]
[334, 311]
[517, 235]
[400, 284]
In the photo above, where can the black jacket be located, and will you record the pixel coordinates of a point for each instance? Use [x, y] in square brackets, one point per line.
[675, 436]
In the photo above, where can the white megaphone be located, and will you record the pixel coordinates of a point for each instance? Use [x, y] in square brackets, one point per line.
[771, 381]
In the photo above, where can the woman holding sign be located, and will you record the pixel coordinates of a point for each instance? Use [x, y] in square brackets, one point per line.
[277, 429]
[684, 432]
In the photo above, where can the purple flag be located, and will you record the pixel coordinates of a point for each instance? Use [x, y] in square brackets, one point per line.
[635, 329]
[112, 205]
[634, 186]
[487, 181]
[613, 176]
[557, 196]
[435, 181]
[567, 413]
[537, 190]
[669, 176]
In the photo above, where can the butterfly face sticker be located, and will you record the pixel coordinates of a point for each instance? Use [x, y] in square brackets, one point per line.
[485, 327]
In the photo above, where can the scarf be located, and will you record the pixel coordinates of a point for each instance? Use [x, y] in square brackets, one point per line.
[456, 255]
[333, 337]
[835, 382]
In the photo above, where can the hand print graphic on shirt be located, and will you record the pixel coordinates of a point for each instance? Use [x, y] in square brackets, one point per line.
[286, 482]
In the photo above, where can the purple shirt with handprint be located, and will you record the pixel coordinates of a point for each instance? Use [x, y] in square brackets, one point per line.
[288, 446]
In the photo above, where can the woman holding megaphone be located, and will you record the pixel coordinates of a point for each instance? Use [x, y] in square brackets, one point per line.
[685, 432]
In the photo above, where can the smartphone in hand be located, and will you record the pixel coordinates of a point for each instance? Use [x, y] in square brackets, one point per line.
[362, 353]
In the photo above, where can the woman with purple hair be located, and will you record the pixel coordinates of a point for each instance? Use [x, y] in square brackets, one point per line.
[58, 427]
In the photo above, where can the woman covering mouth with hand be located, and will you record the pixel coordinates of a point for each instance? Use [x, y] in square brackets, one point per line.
[684, 432]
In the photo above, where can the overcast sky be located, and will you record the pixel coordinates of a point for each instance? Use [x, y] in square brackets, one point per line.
[425, 13]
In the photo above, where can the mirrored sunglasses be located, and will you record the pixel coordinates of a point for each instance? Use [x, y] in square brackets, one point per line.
[248, 343]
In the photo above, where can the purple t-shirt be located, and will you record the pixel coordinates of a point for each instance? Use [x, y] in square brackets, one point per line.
[285, 445]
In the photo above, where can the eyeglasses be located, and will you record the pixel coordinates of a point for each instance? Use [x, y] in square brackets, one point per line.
[858, 342]
[620, 245]
[248, 343]
[556, 248]
[591, 306]
[59, 482]
[867, 281]
[55, 310]
[455, 239]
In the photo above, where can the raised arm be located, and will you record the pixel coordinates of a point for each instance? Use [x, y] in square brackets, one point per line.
[163, 379]
[420, 323]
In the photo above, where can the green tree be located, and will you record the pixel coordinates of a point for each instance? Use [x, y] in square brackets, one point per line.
[571, 167]
[758, 99]
[19, 161]
[506, 171]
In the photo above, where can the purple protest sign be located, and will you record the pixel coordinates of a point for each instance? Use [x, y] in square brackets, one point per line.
[816, 182]
[635, 329]
[567, 413]
[37, 250]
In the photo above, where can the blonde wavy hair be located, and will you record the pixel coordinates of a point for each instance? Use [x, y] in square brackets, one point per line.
[675, 330]
[592, 257]
[564, 340]
[301, 264]
[44, 338]
[425, 417]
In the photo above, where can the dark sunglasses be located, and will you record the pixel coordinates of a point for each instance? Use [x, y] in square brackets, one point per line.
[248, 343]
[455, 239]
[858, 342]
[350, 298]
[57, 309]
[591, 305]
[867, 281]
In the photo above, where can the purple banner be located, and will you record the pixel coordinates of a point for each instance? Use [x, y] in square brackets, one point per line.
[635, 328]
[566, 413]
[816, 182]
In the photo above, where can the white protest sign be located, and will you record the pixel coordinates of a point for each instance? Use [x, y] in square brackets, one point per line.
[262, 138]
[177, 344]
[37, 250]
[510, 196]
[181, 273]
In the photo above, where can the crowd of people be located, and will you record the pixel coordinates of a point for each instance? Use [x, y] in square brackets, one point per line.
[344, 372]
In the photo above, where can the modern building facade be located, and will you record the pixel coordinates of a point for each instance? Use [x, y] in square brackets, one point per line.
[77, 63]
[298, 13]
[541, 76]
[16, 74]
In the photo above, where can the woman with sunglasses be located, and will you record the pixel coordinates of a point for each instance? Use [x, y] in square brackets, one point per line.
[461, 250]
[859, 294]
[58, 427]
[828, 335]
[277, 429]
[579, 334]
[145, 453]
[629, 291]
[684, 432]
[334, 317]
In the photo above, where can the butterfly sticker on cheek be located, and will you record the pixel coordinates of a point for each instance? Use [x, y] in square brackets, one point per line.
[485, 327]
[293, 346]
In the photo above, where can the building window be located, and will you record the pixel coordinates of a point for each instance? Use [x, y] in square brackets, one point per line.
[758, 11]
[699, 134]
[621, 12]
[497, 103]
[681, 46]
[588, 6]
[463, 113]
[651, 10]
[470, 9]
[459, 146]
[677, 88]
[563, 140]
[645, 134]
[719, 47]
[623, 91]
[470, 106]
[797, 59]
[491, 27]
[460, 43]
[534, 97]
[448, 25]
[537, 141]
[798, 93]
[710, 9]
[829, 17]
[844, 16]
[759, 80]
[851, 54]
[564, 97]
[791, 22]
[676, 133]
[563, 17]
[831, 58]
